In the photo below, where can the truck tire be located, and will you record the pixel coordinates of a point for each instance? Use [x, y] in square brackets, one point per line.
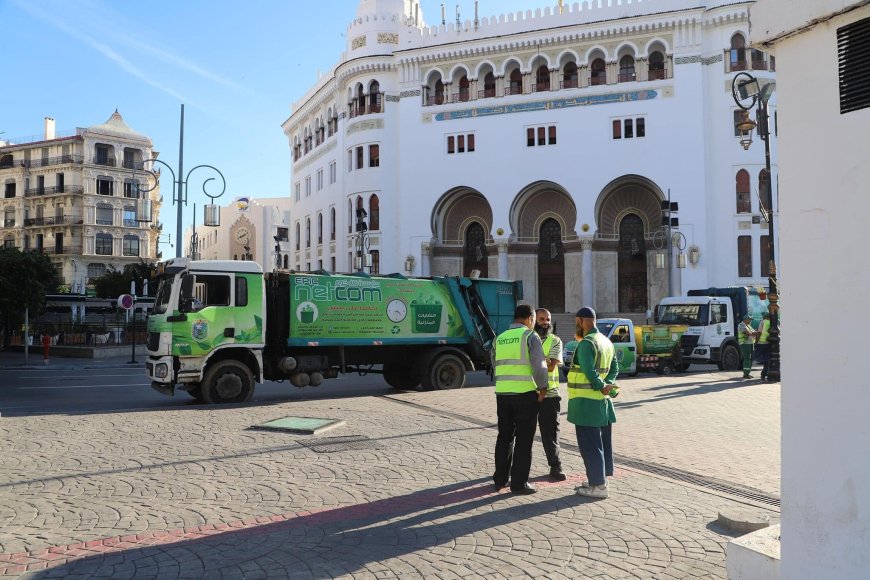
[666, 368]
[228, 381]
[683, 367]
[196, 393]
[446, 371]
[400, 377]
[730, 360]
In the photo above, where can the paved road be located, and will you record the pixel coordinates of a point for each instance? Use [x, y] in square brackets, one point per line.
[185, 490]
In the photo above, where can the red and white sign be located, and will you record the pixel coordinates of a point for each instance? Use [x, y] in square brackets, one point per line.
[126, 301]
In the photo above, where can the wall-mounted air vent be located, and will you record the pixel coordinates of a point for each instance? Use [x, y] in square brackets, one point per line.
[853, 46]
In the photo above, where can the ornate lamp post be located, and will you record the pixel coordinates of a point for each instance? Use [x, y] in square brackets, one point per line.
[211, 212]
[745, 88]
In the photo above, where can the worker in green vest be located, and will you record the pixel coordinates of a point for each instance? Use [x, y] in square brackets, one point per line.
[762, 346]
[746, 337]
[548, 413]
[520, 385]
[591, 385]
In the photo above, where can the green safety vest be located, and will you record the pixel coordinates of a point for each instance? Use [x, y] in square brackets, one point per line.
[513, 370]
[578, 383]
[765, 332]
[742, 337]
[552, 376]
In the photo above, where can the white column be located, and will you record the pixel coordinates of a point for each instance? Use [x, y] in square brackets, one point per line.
[588, 282]
[502, 245]
[426, 259]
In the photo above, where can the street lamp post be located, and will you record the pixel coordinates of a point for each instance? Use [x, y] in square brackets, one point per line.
[746, 88]
[211, 212]
[362, 259]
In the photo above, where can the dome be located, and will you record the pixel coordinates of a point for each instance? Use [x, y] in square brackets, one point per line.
[116, 127]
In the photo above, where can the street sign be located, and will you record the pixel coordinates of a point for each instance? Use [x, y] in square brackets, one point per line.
[125, 301]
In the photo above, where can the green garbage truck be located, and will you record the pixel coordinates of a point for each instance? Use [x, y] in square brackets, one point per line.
[219, 327]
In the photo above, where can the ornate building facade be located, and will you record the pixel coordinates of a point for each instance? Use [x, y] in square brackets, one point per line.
[537, 146]
[74, 198]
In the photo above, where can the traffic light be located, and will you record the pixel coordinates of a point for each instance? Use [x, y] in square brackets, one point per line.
[669, 208]
[361, 215]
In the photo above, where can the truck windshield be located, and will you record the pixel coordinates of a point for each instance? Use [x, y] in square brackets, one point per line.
[688, 314]
[605, 328]
[164, 291]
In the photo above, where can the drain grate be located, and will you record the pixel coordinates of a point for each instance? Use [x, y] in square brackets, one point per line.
[339, 444]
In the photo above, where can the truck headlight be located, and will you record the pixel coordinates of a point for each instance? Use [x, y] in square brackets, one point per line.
[161, 370]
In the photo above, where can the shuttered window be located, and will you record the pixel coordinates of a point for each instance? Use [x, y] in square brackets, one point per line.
[853, 46]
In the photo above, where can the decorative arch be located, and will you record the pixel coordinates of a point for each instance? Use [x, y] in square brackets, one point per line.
[455, 210]
[657, 44]
[433, 75]
[624, 195]
[566, 56]
[539, 60]
[510, 64]
[535, 202]
[457, 72]
[484, 67]
[594, 52]
[627, 48]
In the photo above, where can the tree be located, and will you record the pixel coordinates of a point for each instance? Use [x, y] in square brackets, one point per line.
[116, 282]
[25, 279]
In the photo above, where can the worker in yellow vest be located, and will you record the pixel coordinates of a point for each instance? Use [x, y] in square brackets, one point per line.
[762, 346]
[746, 338]
[548, 413]
[591, 385]
[520, 385]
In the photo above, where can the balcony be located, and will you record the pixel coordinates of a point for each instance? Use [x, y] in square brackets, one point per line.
[105, 161]
[9, 223]
[436, 100]
[45, 161]
[541, 87]
[65, 250]
[49, 221]
[569, 84]
[657, 74]
[515, 90]
[627, 77]
[488, 93]
[37, 191]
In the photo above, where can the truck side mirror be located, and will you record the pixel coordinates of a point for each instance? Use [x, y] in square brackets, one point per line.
[185, 298]
[656, 311]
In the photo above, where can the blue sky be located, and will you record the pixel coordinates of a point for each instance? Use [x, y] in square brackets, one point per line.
[236, 66]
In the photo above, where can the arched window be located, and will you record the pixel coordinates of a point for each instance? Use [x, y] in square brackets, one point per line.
[360, 100]
[131, 245]
[475, 256]
[439, 92]
[332, 224]
[464, 85]
[286, 261]
[737, 57]
[307, 232]
[626, 69]
[542, 78]
[764, 189]
[329, 129]
[489, 85]
[319, 228]
[569, 76]
[599, 72]
[359, 206]
[744, 197]
[375, 97]
[298, 236]
[103, 245]
[516, 83]
[656, 66]
[374, 213]
[349, 216]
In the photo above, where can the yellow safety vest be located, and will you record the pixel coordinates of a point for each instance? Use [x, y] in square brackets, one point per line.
[578, 383]
[765, 332]
[513, 370]
[742, 337]
[552, 376]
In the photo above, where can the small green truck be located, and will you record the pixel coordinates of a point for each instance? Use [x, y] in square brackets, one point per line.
[219, 327]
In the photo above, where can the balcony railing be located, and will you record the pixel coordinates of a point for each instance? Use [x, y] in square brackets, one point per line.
[541, 87]
[597, 80]
[513, 91]
[436, 100]
[100, 222]
[131, 164]
[627, 77]
[65, 250]
[656, 74]
[107, 161]
[49, 221]
[569, 84]
[37, 191]
[486, 93]
[9, 223]
[43, 161]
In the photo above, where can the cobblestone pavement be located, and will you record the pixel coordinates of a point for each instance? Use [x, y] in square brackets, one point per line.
[198, 493]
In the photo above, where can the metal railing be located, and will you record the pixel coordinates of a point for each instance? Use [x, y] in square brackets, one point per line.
[107, 161]
[57, 251]
[486, 93]
[570, 84]
[37, 191]
[49, 221]
[627, 77]
[657, 74]
[42, 161]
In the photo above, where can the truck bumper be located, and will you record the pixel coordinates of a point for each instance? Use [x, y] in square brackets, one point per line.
[167, 389]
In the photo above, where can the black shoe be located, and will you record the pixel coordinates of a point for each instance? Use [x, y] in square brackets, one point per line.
[556, 474]
[499, 485]
[526, 489]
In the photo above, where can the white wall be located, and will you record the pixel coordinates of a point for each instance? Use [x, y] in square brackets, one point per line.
[825, 169]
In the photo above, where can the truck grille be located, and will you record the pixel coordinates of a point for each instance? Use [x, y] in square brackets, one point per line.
[153, 341]
[688, 344]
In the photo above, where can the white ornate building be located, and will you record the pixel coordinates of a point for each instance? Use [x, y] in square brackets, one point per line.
[536, 146]
[74, 197]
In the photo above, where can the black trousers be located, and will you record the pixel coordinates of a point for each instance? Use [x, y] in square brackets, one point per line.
[517, 421]
[548, 421]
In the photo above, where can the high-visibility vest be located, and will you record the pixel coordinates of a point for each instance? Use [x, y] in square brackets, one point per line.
[578, 383]
[552, 376]
[765, 331]
[513, 369]
[742, 337]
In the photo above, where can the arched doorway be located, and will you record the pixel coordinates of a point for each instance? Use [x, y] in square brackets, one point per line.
[551, 267]
[475, 256]
[631, 265]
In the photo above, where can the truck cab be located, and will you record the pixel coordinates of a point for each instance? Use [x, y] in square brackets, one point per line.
[711, 336]
[207, 328]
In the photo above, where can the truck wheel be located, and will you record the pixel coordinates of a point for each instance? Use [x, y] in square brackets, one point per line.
[730, 359]
[228, 381]
[666, 368]
[683, 367]
[400, 377]
[196, 393]
[446, 372]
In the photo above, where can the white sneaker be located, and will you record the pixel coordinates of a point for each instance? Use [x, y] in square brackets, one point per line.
[594, 491]
[583, 483]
